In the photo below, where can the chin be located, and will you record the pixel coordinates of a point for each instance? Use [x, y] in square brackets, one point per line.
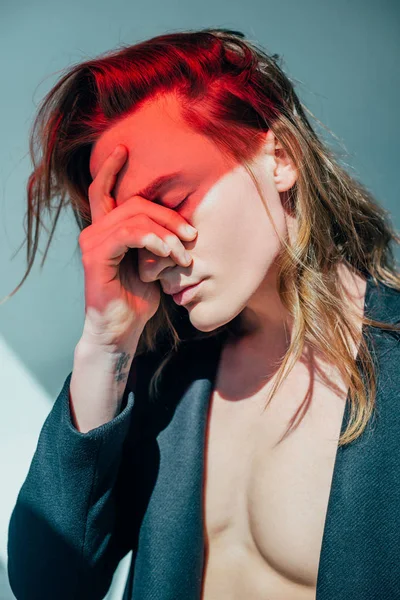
[203, 323]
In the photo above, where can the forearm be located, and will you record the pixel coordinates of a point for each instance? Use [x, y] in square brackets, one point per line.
[98, 383]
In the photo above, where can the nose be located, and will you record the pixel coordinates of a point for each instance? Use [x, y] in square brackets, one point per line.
[150, 265]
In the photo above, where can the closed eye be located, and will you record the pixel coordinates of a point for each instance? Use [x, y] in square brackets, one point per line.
[180, 203]
[158, 201]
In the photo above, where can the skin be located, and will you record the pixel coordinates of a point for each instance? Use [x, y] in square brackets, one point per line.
[236, 246]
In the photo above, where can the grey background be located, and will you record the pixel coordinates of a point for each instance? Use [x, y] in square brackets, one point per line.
[345, 58]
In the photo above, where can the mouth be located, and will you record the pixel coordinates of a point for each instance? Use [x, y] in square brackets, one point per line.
[187, 294]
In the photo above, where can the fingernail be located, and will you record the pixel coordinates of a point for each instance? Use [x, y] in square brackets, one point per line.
[119, 151]
[189, 230]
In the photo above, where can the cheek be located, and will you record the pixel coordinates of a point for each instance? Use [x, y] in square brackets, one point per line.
[248, 244]
[245, 227]
[234, 225]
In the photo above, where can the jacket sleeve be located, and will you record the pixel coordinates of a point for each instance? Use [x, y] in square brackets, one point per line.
[68, 529]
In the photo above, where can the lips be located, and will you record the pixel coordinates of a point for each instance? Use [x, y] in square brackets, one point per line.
[174, 291]
[187, 294]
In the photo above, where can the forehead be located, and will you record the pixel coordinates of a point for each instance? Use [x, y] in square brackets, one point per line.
[156, 137]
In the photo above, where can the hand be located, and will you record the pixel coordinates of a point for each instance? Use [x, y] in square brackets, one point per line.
[118, 302]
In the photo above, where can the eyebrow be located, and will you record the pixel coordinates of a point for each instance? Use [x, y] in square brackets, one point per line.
[160, 184]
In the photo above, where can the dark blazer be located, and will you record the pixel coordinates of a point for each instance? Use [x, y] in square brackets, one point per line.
[135, 483]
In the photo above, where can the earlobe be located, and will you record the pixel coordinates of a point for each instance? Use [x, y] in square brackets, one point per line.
[286, 177]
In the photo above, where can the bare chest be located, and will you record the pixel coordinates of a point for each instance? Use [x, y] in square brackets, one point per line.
[266, 502]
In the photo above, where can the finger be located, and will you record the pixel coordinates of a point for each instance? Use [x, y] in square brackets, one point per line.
[136, 229]
[166, 217]
[100, 199]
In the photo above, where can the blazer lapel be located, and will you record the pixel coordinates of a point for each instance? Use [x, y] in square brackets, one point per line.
[169, 562]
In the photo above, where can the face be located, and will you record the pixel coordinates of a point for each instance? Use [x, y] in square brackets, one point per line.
[236, 247]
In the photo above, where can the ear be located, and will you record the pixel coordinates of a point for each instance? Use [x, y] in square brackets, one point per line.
[284, 171]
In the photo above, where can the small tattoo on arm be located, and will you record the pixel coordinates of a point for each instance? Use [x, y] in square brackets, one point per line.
[122, 362]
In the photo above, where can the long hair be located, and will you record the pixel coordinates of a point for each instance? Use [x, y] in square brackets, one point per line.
[232, 91]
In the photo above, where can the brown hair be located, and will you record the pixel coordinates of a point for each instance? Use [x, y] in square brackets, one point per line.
[231, 91]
